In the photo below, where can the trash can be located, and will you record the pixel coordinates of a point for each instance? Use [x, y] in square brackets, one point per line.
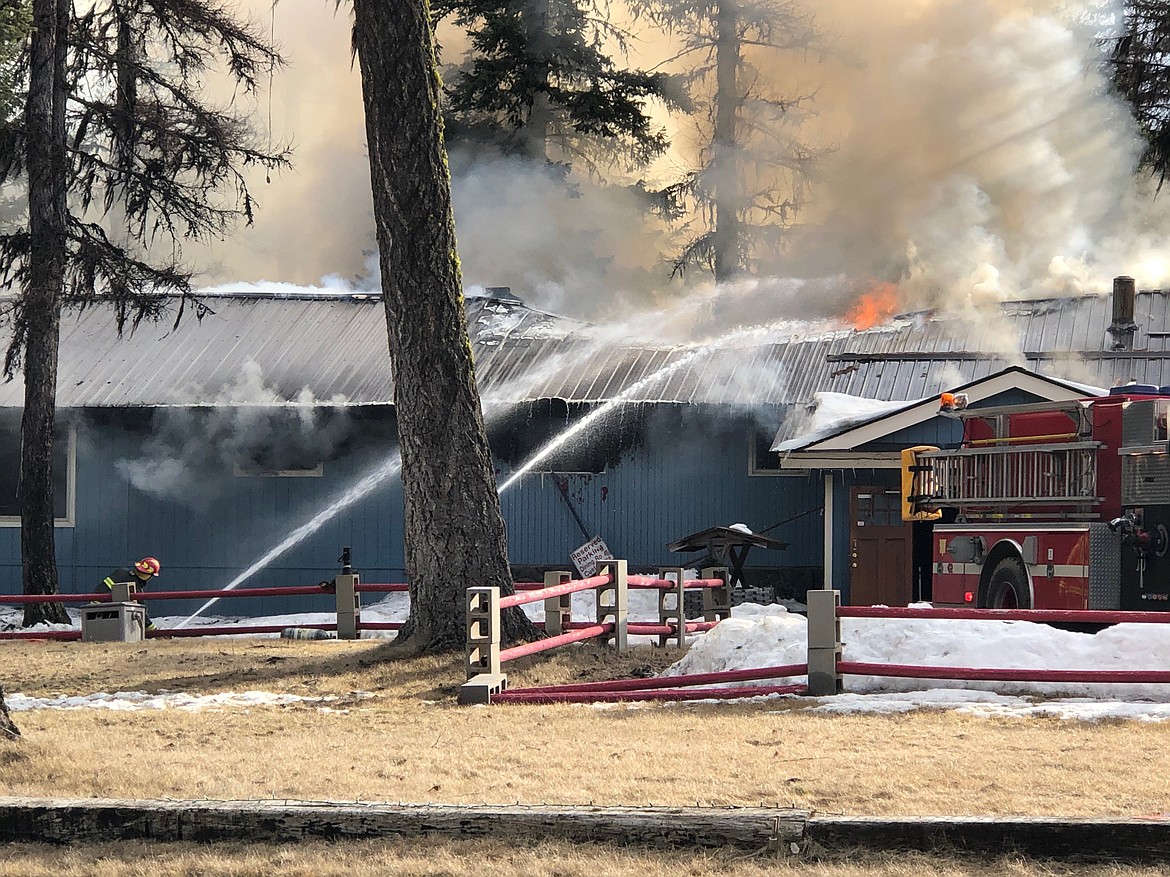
[113, 623]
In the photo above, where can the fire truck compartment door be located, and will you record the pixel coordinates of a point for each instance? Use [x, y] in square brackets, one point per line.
[967, 549]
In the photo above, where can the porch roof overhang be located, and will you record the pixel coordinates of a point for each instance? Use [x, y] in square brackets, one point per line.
[845, 448]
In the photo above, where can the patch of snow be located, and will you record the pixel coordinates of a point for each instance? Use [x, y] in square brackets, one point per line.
[773, 635]
[769, 636]
[829, 414]
[124, 701]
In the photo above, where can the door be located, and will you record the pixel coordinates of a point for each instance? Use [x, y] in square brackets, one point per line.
[880, 544]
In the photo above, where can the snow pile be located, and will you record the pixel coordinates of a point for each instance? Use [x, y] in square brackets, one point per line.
[769, 636]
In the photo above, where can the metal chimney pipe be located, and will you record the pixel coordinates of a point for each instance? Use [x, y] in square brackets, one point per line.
[1123, 326]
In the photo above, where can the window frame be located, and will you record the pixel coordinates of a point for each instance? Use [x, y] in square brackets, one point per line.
[70, 519]
[755, 470]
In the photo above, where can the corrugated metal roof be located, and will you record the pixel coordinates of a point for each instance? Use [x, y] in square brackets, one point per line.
[264, 348]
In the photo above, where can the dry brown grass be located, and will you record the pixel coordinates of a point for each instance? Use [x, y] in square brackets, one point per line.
[477, 859]
[408, 741]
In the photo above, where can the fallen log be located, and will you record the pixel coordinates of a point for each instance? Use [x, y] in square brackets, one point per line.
[1122, 839]
[95, 820]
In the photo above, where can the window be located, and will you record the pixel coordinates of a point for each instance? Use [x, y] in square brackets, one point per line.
[879, 508]
[528, 430]
[765, 462]
[280, 444]
[64, 472]
[279, 463]
[258, 469]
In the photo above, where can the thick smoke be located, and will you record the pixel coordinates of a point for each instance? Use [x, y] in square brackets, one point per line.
[314, 220]
[246, 428]
[981, 155]
[978, 157]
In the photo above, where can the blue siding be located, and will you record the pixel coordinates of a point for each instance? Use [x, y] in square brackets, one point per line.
[1014, 396]
[676, 483]
[940, 431]
[671, 482]
[207, 541]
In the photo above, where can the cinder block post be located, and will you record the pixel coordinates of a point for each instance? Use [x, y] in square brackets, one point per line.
[483, 631]
[483, 647]
[716, 601]
[824, 643]
[349, 605]
[613, 603]
[671, 606]
[558, 611]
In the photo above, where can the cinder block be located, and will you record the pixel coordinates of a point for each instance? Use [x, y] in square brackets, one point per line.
[823, 678]
[482, 658]
[479, 689]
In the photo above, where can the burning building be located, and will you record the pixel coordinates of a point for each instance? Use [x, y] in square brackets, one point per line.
[208, 444]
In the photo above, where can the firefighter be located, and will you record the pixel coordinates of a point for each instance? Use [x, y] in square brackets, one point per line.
[140, 572]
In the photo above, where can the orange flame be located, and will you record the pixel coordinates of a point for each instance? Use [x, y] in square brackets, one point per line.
[874, 307]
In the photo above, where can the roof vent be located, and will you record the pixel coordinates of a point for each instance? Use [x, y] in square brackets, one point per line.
[500, 293]
[1123, 326]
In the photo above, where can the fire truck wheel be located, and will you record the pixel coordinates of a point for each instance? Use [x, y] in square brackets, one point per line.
[1008, 587]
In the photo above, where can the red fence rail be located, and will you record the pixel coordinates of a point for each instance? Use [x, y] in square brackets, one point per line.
[611, 624]
[826, 665]
[991, 674]
[325, 588]
[201, 594]
[825, 649]
[1086, 616]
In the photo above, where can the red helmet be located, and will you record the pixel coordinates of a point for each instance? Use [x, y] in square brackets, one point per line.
[148, 566]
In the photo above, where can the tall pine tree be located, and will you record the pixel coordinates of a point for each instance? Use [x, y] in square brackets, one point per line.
[753, 167]
[124, 159]
[15, 22]
[538, 83]
[453, 528]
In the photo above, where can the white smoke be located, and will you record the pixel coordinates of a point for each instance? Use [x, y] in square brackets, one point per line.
[582, 249]
[248, 423]
[979, 157]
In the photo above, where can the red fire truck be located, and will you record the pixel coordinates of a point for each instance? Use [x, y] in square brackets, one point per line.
[1054, 505]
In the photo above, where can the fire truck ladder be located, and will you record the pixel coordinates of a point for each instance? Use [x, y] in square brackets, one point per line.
[1057, 473]
[988, 479]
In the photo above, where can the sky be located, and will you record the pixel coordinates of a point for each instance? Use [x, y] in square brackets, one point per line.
[772, 635]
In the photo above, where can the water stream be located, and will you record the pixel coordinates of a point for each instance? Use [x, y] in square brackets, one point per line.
[595, 415]
[393, 465]
[694, 352]
[359, 489]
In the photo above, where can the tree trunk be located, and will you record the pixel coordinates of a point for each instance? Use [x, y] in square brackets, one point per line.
[453, 528]
[537, 18]
[8, 729]
[726, 236]
[42, 305]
